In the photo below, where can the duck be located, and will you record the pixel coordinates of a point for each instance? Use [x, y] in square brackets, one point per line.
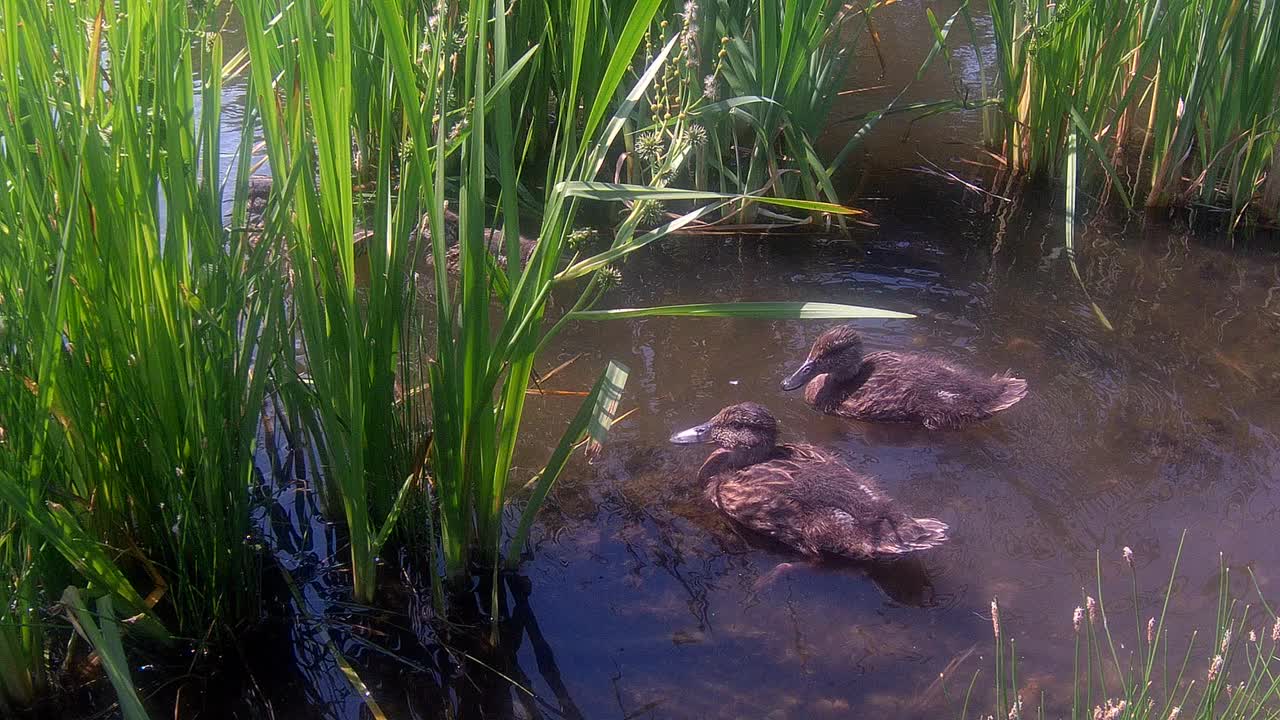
[494, 242]
[800, 495]
[839, 379]
[258, 197]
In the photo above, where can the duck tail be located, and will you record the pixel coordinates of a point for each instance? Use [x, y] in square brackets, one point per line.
[930, 532]
[1012, 390]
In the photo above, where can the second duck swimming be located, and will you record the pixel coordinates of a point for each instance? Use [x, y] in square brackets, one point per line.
[898, 387]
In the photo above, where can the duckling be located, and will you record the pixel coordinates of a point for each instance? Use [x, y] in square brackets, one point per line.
[259, 196]
[799, 495]
[494, 242]
[898, 387]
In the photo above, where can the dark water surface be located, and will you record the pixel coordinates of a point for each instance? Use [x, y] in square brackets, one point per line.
[639, 599]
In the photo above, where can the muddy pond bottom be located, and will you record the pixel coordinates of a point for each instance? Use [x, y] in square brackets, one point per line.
[640, 600]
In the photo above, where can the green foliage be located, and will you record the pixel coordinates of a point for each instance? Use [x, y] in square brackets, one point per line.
[444, 112]
[1233, 675]
[737, 104]
[101, 630]
[137, 330]
[1182, 95]
[140, 335]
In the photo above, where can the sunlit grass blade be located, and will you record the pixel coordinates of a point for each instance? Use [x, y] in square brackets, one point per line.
[1069, 229]
[102, 632]
[618, 191]
[760, 310]
[593, 420]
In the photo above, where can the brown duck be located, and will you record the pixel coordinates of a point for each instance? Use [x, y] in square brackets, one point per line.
[798, 494]
[898, 387]
[259, 197]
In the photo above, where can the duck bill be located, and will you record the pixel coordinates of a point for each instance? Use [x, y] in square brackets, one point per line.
[802, 375]
[693, 435]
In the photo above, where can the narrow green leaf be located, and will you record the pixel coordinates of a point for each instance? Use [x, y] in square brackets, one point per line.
[763, 310]
[103, 635]
[593, 420]
[617, 192]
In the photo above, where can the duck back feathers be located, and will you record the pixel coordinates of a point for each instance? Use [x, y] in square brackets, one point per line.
[906, 387]
[805, 498]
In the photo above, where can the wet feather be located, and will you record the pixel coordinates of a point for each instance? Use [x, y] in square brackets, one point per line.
[802, 496]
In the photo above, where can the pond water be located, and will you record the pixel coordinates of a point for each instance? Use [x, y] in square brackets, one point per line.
[1127, 438]
[640, 600]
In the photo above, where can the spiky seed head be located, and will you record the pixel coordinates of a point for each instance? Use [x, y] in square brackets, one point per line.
[1128, 555]
[1092, 606]
[1226, 641]
[609, 276]
[650, 145]
[580, 237]
[1151, 631]
[651, 212]
[1077, 619]
[696, 134]
[1215, 667]
[995, 618]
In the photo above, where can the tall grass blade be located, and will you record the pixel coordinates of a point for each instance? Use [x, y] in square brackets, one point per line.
[592, 421]
[103, 635]
[758, 310]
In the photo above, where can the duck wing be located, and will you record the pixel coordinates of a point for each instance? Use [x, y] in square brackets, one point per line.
[808, 499]
[832, 531]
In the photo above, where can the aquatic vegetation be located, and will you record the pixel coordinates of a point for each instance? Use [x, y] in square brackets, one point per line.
[738, 103]
[1175, 103]
[137, 331]
[141, 334]
[377, 450]
[1230, 674]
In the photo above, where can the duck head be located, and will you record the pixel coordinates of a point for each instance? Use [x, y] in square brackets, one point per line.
[737, 427]
[838, 351]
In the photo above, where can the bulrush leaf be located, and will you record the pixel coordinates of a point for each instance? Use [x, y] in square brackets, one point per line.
[761, 310]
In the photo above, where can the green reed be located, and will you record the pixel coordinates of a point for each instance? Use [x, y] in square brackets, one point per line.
[1233, 674]
[1176, 102]
[136, 328]
[737, 104]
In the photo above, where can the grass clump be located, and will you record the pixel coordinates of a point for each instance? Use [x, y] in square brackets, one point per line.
[137, 330]
[1230, 674]
[1176, 103]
